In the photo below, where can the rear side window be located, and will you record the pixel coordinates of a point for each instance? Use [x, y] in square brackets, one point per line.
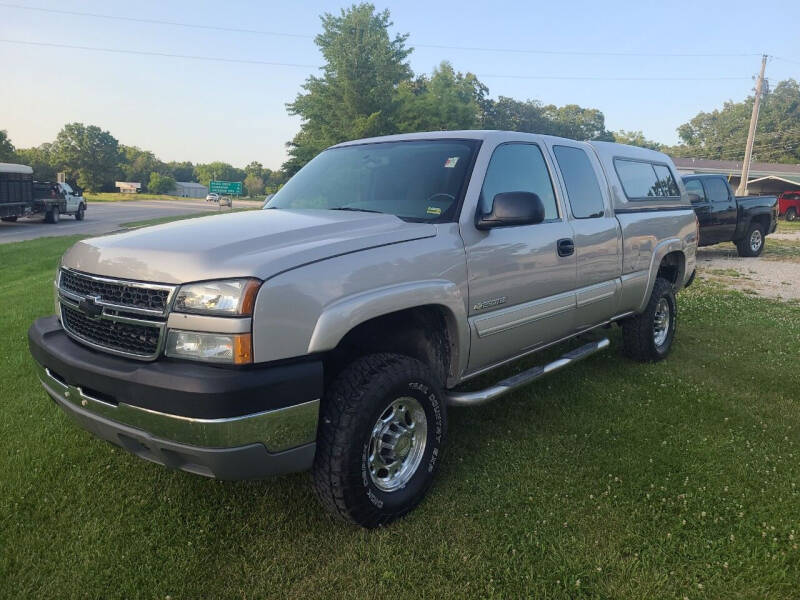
[645, 180]
[666, 182]
[584, 193]
[518, 168]
[716, 189]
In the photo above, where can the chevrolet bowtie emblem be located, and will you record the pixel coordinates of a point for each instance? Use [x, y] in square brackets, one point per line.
[89, 307]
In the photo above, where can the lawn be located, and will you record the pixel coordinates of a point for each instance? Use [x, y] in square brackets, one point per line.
[610, 479]
[120, 197]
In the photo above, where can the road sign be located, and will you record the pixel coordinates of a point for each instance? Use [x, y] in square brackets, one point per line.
[228, 188]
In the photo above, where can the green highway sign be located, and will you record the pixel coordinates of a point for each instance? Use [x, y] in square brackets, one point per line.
[226, 188]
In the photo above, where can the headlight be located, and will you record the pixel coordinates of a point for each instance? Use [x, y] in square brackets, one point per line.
[234, 349]
[229, 297]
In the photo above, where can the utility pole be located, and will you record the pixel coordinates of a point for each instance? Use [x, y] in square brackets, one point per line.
[748, 152]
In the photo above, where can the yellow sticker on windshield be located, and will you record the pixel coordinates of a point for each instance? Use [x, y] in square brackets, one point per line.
[450, 163]
[434, 210]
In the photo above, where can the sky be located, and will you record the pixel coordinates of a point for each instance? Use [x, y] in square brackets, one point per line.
[200, 110]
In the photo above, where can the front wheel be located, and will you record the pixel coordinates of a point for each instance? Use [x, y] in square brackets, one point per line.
[380, 440]
[791, 214]
[752, 244]
[80, 214]
[648, 336]
[11, 219]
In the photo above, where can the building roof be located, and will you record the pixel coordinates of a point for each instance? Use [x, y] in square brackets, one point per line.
[190, 184]
[734, 167]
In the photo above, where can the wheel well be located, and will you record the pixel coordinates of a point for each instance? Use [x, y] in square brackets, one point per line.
[672, 267]
[420, 332]
[762, 220]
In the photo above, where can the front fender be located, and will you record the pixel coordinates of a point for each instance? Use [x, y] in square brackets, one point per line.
[341, 316]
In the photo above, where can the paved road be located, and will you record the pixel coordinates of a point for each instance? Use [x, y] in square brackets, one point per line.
[102, 217]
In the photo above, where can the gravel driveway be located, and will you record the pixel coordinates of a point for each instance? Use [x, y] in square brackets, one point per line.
[771, 276]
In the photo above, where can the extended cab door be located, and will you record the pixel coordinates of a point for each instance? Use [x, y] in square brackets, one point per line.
[522, 278]
[596, 233]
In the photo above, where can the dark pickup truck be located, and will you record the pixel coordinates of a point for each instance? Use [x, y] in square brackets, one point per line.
[724, 217]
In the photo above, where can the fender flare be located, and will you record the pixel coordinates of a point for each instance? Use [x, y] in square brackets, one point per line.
[659, 252]
[340, 317]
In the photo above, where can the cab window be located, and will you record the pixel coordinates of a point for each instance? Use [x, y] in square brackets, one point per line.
[583, 191]
[695, 189]
[716, 189]
[518, 168]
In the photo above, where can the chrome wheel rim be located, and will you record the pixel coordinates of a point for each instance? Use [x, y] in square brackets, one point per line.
[755, 240]
[397, 443]
[661, 322]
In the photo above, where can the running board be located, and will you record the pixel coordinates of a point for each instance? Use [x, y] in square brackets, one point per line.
[516, 381]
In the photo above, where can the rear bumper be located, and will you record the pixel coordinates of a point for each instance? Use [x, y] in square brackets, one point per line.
[273, 432]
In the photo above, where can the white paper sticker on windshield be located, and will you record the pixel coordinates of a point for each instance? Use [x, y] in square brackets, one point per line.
[450, 162]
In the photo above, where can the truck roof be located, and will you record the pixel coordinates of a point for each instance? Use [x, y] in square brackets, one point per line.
[602, 148]
[12, 168]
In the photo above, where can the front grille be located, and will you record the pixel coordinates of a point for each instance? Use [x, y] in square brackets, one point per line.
[128, 294]
[142, 340]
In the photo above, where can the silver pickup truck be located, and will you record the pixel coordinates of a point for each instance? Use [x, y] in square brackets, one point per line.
[332, 330]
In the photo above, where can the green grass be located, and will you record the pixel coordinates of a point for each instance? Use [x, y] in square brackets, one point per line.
[119, 197]
[608, 480]
[160, 220]
[785, 226]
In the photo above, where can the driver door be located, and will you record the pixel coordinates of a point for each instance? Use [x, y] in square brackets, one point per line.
[522, 278]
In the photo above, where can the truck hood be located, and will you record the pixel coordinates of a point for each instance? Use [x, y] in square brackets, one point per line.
[259, 244]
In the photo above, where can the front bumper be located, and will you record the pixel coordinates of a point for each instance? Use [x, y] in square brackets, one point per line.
[222, 423]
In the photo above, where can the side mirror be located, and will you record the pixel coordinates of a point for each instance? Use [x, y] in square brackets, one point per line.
[694, 198]
[513, 208]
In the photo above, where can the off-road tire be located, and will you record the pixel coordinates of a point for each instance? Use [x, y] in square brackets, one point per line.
[743, 245]
[638, 331]
[11, 219]
[791, 214]
[80, 214]
[52, 215]
[354, 402]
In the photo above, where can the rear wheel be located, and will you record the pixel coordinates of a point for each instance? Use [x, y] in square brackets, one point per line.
[791, 214]
[381, 436]
[752, 244]
[53, 215]
[11, 219]
[648, 336]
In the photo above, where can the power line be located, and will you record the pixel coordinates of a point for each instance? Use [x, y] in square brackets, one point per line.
[161, 54]
[307, 66]
[434, 46]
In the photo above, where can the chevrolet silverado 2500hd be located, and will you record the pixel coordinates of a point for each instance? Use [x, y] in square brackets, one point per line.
[331, 330]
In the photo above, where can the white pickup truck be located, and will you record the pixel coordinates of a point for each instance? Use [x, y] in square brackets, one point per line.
[21, 196]
[332, 331]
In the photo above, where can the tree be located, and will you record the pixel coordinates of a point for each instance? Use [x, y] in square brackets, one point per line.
[219, 171]
[356, 96]
[254, 185]
[160, 184]
[722, 133]
[88, 154]
[445, 101]
[577, 123]
[181, 171]
[7, 151]
[40, 159]
[635, 138]
[137, 164]
[509, 114]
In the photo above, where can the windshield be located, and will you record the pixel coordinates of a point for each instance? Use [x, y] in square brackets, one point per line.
[415, 180]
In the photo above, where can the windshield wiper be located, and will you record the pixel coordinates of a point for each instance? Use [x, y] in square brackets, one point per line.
[354, 209]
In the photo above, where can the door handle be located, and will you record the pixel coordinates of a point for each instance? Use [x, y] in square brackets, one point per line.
[566, 247]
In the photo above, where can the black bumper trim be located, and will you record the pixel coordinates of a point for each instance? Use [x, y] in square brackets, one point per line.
[178, 388]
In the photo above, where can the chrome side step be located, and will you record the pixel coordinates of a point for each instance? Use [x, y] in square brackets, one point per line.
[524, 378]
